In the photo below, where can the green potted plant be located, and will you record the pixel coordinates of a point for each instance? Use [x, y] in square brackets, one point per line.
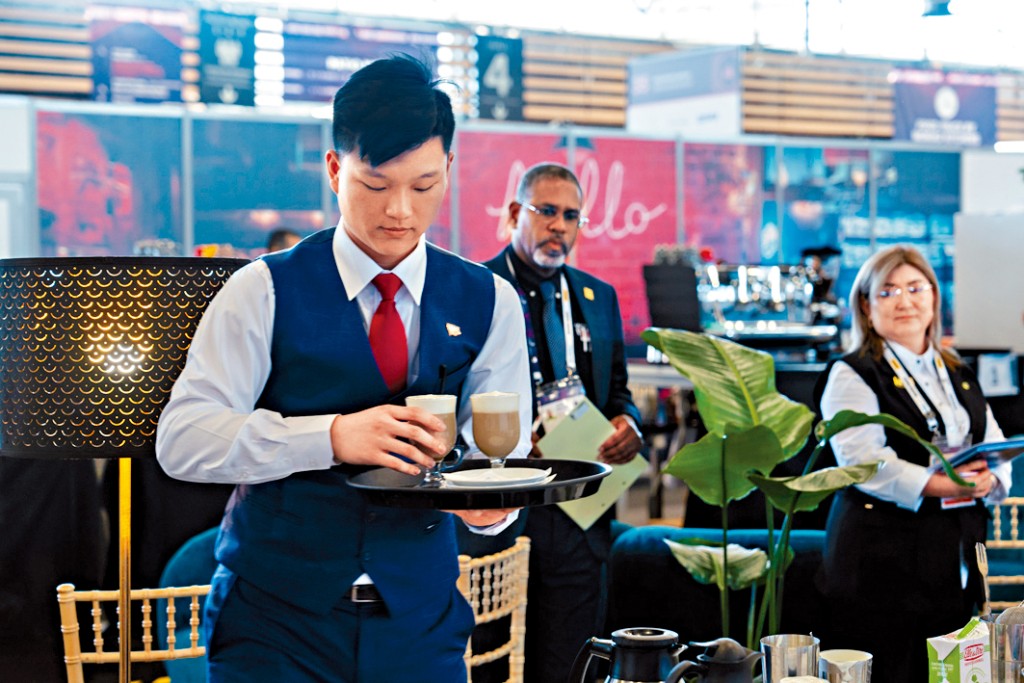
[751, 429]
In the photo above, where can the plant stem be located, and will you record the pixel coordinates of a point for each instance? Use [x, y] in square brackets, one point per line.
[775, 619]
[724, 593]
[750, 616]
[774, 569]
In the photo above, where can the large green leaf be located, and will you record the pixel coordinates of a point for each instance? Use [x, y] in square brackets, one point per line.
[706, 564]
[812, 488]
[845, 419]
[715, 467]
[733, 384]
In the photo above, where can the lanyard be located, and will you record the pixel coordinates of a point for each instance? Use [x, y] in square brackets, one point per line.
[915, 394]
[567, 328]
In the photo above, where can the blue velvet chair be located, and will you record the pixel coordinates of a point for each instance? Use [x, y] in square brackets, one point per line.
[192, 564]
[649, 587]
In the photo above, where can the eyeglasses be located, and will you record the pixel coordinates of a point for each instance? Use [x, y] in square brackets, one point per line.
[570, 216]
[913, 291]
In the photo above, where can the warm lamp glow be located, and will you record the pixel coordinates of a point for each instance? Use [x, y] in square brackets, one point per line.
[90, 348]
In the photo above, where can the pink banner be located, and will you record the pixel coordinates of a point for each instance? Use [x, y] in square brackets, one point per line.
[489, 167]
[629, 186]
[630, 190]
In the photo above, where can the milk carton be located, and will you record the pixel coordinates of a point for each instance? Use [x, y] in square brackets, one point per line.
[961, 657]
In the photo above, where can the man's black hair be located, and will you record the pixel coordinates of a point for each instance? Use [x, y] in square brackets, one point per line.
[389, 107]
[278, 238]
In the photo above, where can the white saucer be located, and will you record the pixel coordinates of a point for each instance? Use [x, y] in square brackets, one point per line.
[504, 477]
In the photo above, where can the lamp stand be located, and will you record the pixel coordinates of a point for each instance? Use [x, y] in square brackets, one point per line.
[90, 348]
[124, 600]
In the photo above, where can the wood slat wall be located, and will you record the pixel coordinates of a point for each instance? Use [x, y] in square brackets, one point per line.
[792, 94]
[1010, 107]
[579, 79]
[44, 48]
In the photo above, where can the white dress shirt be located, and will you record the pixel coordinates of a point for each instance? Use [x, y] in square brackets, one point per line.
[210, 431]
[899, 481]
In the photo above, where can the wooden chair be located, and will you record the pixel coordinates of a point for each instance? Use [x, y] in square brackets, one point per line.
[1006, 552]
[74, 657]
[495, 586]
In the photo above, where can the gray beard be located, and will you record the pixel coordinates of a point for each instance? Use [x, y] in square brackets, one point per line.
[544, 260]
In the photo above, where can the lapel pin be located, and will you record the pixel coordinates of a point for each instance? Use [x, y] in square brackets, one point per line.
[897, 382]
[453, 329]
[588, 294]
[966, 386]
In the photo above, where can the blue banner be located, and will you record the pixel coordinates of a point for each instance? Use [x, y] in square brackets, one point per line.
[319, 58]
[227, 58]
[677, 75]
[944, 108]
[136, 54]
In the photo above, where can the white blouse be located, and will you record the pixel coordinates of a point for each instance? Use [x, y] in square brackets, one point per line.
[899, 481]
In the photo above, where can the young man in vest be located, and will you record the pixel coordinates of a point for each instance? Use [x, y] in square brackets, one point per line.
[296, 380]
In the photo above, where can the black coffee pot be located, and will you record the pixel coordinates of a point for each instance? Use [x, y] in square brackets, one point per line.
[723, 661]
[635, 655]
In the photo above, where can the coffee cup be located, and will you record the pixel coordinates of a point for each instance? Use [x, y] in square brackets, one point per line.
[443, 407]
[496, 426]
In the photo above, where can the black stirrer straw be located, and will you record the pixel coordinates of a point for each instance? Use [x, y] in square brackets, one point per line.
[442, 375]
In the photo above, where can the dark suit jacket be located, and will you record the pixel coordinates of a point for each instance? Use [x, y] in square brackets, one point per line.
[599, 304]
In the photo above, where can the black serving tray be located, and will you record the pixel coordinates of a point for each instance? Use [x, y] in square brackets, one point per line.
[573, 479]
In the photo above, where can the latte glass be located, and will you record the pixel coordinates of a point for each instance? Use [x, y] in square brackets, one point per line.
[442, 406]
[496, 424]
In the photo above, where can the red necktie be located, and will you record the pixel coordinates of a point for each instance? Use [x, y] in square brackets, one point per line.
[387, 334]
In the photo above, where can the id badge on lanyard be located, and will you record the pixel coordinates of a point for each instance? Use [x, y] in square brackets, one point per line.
[557, 399]
[949, 450]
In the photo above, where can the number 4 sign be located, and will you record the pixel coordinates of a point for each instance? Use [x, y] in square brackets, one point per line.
[500, 65]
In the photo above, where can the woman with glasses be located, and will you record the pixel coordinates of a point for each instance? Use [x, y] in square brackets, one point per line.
[899, 563]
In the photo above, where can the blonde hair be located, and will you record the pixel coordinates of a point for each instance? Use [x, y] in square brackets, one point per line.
[872, 277]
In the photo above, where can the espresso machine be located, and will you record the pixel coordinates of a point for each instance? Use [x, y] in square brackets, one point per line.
[770, 307]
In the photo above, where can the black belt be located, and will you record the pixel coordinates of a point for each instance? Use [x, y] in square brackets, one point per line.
[365, 593]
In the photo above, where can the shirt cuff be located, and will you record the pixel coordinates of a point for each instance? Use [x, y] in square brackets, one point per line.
[496, 528]
[309, 442]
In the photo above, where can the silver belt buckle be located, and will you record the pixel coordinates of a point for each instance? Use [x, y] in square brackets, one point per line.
[356, 591]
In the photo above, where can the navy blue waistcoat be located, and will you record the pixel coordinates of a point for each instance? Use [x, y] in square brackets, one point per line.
[307, 537]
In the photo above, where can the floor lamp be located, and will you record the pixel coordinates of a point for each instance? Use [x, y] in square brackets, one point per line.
[89, 350]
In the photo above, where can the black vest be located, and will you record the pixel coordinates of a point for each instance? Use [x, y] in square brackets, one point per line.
[880, 378]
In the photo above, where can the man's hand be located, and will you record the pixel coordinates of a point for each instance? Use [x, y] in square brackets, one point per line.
[623, 445]
[376, 436]
[534, 451]
[482, 517]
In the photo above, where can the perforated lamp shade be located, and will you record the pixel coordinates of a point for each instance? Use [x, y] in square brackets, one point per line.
[89, 351]
[90, 348]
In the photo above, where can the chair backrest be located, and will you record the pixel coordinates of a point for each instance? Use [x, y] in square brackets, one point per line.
[106, 651]
[495, 586]
[1005, 546]
[192, 564]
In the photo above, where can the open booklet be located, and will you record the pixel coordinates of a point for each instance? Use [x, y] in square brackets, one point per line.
[995, 452]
